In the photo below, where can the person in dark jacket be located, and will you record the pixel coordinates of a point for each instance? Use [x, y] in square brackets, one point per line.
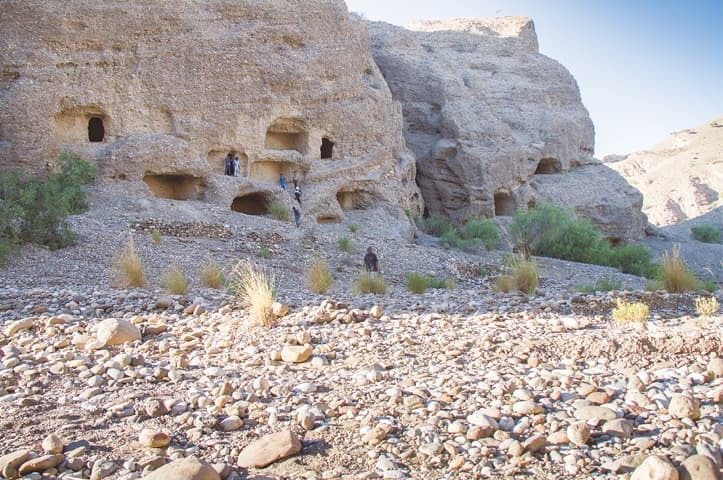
[297, 194]
[371, 262]
[297, 215]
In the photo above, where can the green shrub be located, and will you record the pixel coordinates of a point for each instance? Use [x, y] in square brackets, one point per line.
[353, 227]
[604, 284]
[156, 236]
[175, 281]
[320, 278]
[505, 283]
[436, 225]
[279, 211]
[706, 233]
[416, 282]
[34, 210]
[482, 229]
[677, 277]
[626, 312]
[264, 252]
[451, 239]
[419, 283]
[550, 231]
[368, 283]
[344, 244]
[708, 285]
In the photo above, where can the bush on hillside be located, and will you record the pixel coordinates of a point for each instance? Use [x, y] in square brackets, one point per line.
[368, 283]
[436, 225]
[550, 231]
[257, 290]
[483, 229]
[706, 233]
[279, 211]
[34, 210]
[319, 279]
[677, 276]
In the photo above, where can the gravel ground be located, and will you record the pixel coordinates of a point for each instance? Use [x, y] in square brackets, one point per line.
[460, 383]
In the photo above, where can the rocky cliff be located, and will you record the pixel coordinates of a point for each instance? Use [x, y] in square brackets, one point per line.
[681, 177]
[496, 126]
[162, 91]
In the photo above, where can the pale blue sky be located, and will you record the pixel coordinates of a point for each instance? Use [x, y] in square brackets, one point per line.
[645, 67]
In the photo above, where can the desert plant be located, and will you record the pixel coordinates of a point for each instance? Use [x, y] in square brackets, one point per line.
[451, 239]
[264, 252]
[524, 272]
[370, 283]
[504, 283]
[708, 285]
[279, 211]
[175, 281]
[654, 284]
[482, 229]
[156, 236]
[130, 267]
[435, 225]
[416, 282]
[706, 233]
[34, 210]
[212, 276]
[320, 278]
[344, 244]
[706, 307]
[257, 290]
[634, 259]
[677, 277]
[604, 284]
[451, 284]
[353, 227]
[625, 312]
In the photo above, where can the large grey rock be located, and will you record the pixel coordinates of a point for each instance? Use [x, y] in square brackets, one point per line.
[655, 468]
[268, 449]
[189, 468]
[682, 406]
[115, 331]
[699, 467]
[496, 126]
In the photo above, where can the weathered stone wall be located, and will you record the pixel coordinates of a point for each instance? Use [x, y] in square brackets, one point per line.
[177, 85]
[495, 126]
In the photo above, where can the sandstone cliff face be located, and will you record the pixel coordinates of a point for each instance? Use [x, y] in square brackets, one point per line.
[681, 177]
[162, 91]
[495, 126]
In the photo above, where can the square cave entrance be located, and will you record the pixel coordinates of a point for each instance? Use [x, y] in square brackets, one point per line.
[176, 186]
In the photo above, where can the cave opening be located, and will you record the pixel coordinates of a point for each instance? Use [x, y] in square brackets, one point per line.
[256, 203]
[176, 187]
[504, 205]
[548, 166]
[327, 148]
[96, 130]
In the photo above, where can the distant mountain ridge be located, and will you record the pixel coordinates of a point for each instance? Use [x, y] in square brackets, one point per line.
[681, 178]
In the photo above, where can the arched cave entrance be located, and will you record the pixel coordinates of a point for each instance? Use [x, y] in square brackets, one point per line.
[548, 166]
[96, 130]
[504, 205]
[176, 187]
[327, 148]
[287, 134]
[256, 203]
[355, 200]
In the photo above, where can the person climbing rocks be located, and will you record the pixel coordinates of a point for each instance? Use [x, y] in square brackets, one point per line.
[297, 216]
[228, 164]
[295, 179]
[235, 167]
[282, 181]
[297, 194]
[371, 262]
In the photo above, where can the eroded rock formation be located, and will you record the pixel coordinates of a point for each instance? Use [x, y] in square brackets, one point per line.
[162, 91]
[681, 177]
[496, 126]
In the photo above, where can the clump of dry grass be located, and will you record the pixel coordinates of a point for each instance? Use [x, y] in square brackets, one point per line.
[156, 236]
[256, 288]
[320, 278]
[522, 276]
[212, 276]
[368, 283]
[175, 280]
[706, 307]
[129, 267]
[677, 277]
[626, 312]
